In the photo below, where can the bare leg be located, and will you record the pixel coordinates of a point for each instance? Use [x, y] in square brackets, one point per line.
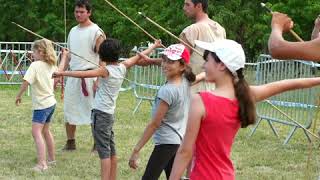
[49, 141]
[70, 130]
[114, 164]
[105, 168]
[40, 145]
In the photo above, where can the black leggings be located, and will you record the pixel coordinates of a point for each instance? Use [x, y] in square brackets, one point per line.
[162, 158]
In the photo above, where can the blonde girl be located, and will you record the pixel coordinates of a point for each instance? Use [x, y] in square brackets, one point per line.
[39, 76]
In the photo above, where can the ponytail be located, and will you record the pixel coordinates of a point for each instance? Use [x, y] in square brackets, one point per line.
[189, 75]
[247, 109]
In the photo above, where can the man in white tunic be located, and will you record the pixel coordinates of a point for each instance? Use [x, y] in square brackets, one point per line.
[83, 40]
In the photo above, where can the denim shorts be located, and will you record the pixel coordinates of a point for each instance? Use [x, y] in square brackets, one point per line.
[103, 134]
[43, 116]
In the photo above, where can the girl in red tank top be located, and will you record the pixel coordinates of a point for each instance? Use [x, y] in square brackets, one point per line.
[215, 117]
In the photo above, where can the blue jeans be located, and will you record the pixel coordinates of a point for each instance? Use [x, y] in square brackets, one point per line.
[43, 116]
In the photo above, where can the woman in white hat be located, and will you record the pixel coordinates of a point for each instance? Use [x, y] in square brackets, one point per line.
[216, 116]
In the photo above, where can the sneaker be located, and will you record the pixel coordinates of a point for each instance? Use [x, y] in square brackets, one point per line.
[70, 145]
[39, 168]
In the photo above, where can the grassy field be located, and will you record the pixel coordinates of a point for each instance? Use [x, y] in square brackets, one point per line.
[261, 156]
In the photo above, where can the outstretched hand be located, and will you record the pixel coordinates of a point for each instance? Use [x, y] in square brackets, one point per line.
[57, 74]
[281, 21]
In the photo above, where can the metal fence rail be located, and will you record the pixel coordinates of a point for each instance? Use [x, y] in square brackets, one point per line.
[147, 80]
[298, 104]
[15, 58]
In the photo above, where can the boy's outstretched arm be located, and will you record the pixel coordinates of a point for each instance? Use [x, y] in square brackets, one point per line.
[133, 60]
[23, 88]
[267, 90]
[99, 72]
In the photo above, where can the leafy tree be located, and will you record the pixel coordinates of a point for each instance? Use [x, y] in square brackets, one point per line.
[245, 21]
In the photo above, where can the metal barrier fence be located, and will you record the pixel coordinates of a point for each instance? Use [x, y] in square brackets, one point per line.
[15, 58]
[147, 80]
[298, 104]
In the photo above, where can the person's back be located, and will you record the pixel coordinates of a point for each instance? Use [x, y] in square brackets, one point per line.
[212, 151]
[39, 76]
[109, 88]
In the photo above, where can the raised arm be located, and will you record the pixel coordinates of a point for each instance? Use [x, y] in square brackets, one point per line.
[184, 154]
[267, 90]
[282, 49]
[99, 40]
[65, 60]
[148, 132]
[134, 60]
[199, 77]
[316, 29]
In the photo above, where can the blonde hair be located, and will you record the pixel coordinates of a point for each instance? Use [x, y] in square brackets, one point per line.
[46, 48]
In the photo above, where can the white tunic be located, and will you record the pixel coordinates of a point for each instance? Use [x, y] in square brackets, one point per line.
[82, 41]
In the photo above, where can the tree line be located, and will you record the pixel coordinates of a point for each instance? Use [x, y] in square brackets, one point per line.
[245, 21]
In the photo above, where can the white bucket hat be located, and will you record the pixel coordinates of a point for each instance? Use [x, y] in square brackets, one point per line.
[229, 52]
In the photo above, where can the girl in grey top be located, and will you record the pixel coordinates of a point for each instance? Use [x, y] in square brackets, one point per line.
[169, 113]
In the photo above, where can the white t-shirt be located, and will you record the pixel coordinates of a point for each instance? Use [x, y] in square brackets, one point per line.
[39, 76]
[108, 91]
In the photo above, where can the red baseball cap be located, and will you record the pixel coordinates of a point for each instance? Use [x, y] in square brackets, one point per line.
[177, 51]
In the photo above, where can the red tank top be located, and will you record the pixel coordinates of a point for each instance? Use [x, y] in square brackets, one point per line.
[215, 138]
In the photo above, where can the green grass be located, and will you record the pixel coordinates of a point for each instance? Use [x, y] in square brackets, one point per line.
[261, 156]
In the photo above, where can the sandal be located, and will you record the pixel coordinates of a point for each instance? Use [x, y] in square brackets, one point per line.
[39, 168]
[52, 163]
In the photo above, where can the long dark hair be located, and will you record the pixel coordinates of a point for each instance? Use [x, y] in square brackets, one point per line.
[247, 108]
[188, 74]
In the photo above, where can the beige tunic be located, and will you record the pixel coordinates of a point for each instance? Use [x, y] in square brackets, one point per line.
[207, 31]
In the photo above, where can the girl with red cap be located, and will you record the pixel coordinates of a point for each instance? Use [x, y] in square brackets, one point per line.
[169, 114]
